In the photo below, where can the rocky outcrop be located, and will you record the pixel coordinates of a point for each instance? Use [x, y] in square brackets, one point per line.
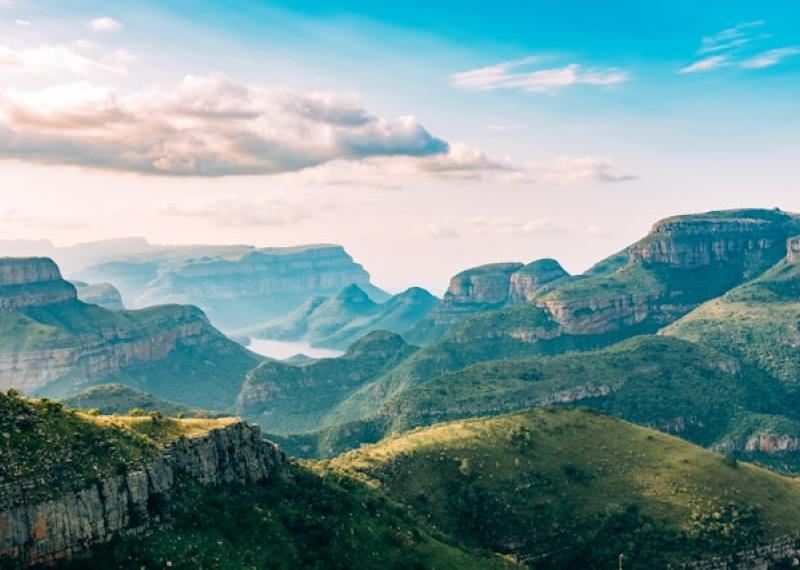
[793, 250]
[74, 516]
[32, 282]
[103, 294]
[496, 285]
[783, 553]
[767, 443]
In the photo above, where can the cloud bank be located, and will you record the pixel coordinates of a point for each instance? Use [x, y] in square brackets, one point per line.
[204, 126]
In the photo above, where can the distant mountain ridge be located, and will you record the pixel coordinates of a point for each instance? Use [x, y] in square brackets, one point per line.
[337, 322]
[236, 286]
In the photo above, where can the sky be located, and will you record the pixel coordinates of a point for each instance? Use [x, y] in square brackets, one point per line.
[425, 137]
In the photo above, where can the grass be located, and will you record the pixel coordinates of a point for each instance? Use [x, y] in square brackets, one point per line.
[550, 486]
[121, 399]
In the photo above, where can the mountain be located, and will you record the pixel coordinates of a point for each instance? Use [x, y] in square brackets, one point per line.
[575, 489]
[73, 258]
[337, 322]
[683, 262]
[284, 397]
[661, 382]
[486, 288]
[758, 322]
[121, 399]
[103, 294]
[83, 491]
[237, 286]
[53, 344]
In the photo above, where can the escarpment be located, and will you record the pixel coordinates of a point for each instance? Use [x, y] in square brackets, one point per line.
[42, 525]
[55, 344]
[793, 250]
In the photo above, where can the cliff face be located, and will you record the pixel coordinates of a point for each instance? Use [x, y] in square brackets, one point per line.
[493, 286]
[236, 287]
[72, 518]
[32, 282]
[51, 339]
[793, 250]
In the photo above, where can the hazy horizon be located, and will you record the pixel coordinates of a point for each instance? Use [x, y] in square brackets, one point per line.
[471, 136]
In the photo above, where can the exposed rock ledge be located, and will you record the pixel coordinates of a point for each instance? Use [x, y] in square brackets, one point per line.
[32, 282]
[65, 525]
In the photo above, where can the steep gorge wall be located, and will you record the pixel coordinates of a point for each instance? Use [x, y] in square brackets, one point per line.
[71, 517]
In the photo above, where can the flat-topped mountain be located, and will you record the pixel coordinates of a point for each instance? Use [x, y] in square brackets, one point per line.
[337, 322]
[486, 288]
[236, 286]
[52, 343]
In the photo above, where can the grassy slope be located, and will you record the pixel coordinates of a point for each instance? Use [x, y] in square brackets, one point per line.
[308, 517]
[758, 322]
[570, 489]
[120, 399]
[663, 382]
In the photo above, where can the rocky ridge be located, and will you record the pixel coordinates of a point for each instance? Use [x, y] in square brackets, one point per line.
[71, 519]
[32, 282]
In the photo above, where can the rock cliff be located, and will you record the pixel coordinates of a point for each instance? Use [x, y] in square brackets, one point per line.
[52, 343]
[793, 250]
[74, 516]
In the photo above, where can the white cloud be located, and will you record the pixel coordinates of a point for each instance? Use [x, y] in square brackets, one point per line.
[729, 38]
[204, 126]
[517, 74]
[735, 48]
[705, 64]
[22, 23]
[437, 230]
[58, 59]
[104, 24]
[769, 58]
[568, 171]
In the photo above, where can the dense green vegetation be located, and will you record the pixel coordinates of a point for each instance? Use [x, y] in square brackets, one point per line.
[121, 399]
[758, 322]
[670, 384]
[574, 489]
[286, 397]
[308, 517]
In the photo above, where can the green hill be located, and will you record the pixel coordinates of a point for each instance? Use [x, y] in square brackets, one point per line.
[337, 322]
[121, 399]
[683, 262]
[758, 322]
[666, 383]
[574, 489]
[284, 397]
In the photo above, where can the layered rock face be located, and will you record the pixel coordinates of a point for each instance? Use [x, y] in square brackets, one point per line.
[72, 517]
[690, 243]
[32, 282]
[237, 288]
[493, 286]
[49, 335]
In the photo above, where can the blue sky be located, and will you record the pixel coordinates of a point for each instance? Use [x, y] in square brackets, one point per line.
[473, 132]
